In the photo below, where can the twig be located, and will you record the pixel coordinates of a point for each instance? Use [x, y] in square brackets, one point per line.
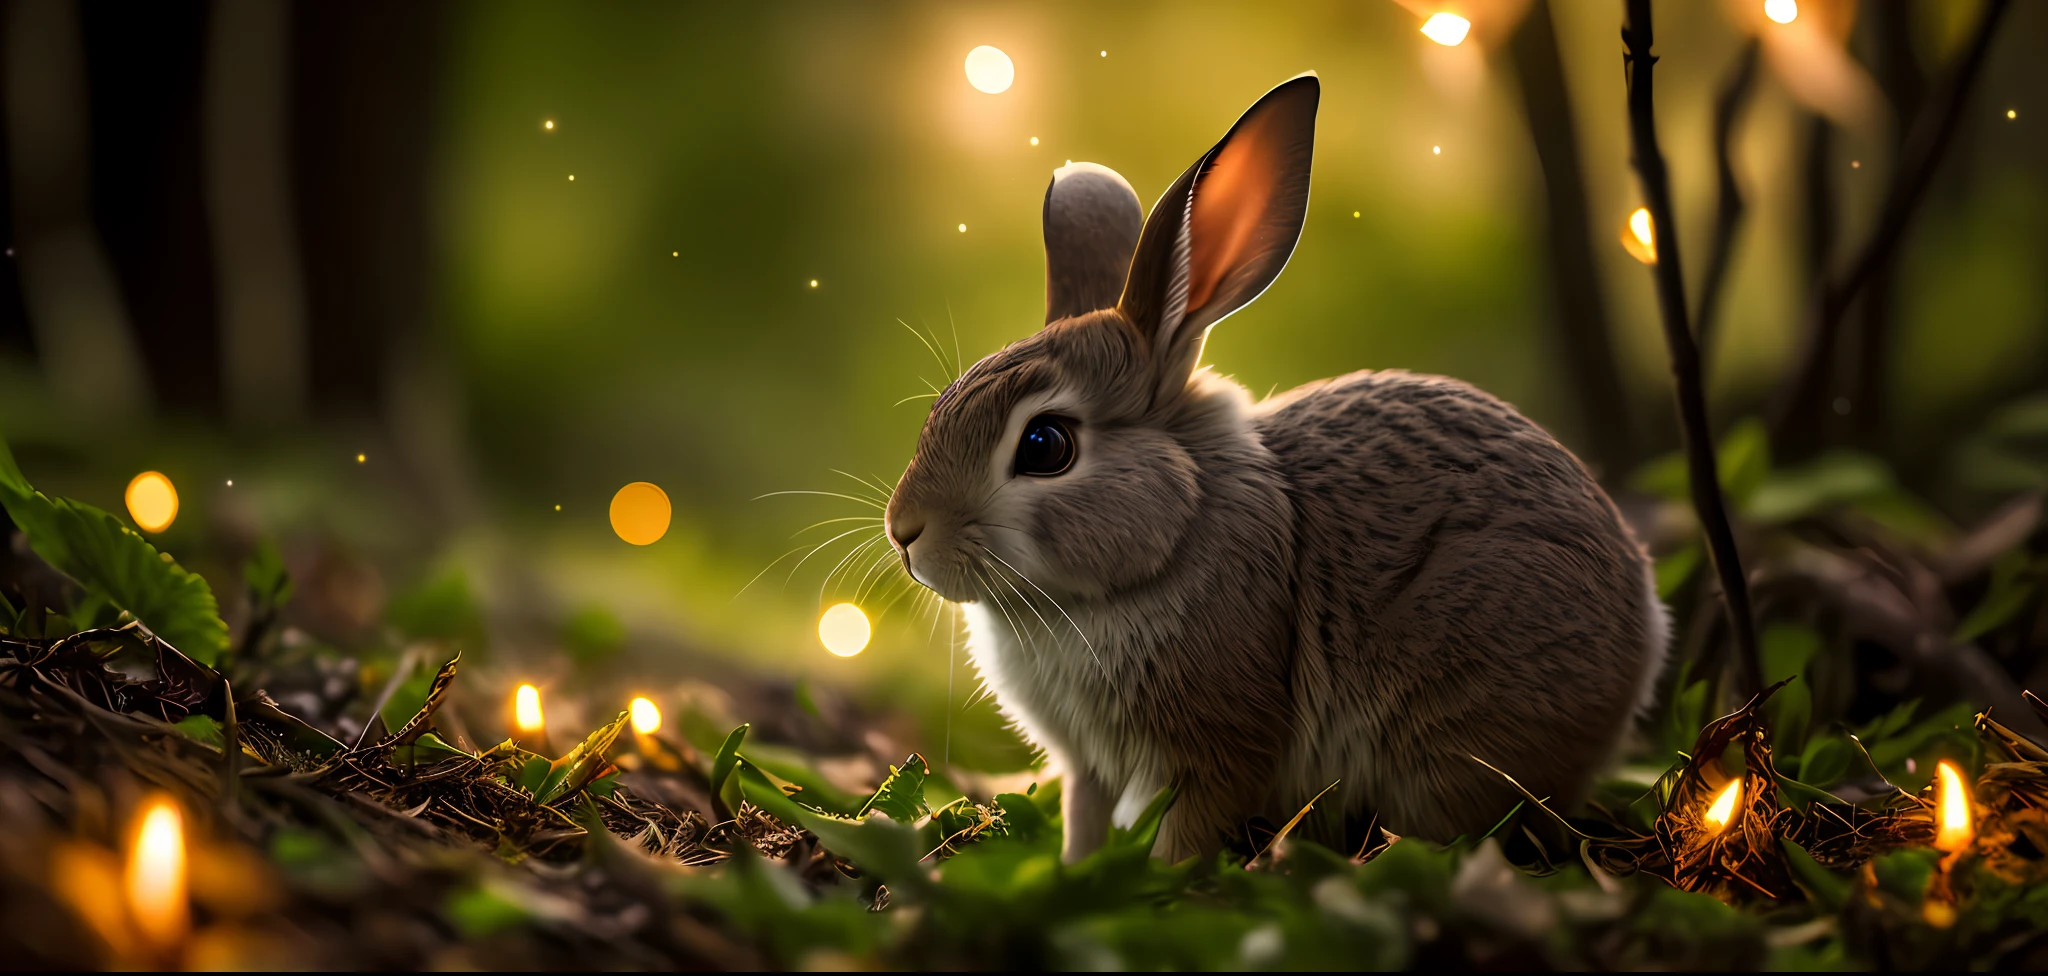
[1581, 318]
[1685, 354]
[1794, 420]
[1728, 218]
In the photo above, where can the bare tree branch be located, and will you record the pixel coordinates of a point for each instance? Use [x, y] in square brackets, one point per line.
[1701, 470]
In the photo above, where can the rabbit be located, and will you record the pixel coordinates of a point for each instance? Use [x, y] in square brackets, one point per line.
[1368, 581]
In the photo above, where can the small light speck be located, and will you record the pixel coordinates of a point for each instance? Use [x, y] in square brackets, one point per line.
[814, 282]
[963, 228]
[1436, 150]
[231, 482]
[1105, 54]
[360, 458]
[675, 254]
[1855, 164]
[1842, 406]
[2012, 113]
[572, 177]
[558, 508]
[1034, 140]
[10, 252]
[1354, 214]
[548, 125]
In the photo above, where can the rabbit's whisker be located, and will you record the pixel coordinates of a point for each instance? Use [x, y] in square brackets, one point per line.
[851, 554]
[929, 345]
[959, 367]
[765, 569]
[871, 503]
[884, 491]
[815, 549]
[915, 396]
[850, 518]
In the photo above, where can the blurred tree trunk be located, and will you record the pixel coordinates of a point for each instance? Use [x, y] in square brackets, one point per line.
[255, 233]
[87, 353]
[1868, 388]
[1579, 313]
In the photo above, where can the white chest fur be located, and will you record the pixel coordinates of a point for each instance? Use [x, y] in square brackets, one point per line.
[1054, 677]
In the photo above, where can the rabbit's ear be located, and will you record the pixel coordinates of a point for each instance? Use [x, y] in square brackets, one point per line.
[1224, 230]
[1092, 220]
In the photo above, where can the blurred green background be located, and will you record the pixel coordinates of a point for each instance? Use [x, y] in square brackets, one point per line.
[389, 188]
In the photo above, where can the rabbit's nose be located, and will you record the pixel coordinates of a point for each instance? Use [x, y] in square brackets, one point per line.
[903, 531]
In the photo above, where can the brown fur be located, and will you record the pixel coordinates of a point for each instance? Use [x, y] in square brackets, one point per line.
[1369, 579]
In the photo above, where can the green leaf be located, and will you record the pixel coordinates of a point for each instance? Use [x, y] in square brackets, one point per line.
[533, 774]
[112, 560]
[482, 911]
[593, 635]
[583, 763]
[1799, 796]
[1022, 816]
[724, 790]
[890, 850]
[202, 728]
[265, 575]
[1829, 481]
[1144, 830]
[1825, 888]
[1744, 461]
[1675, 568]
[427, 749]
[1785, 651]
[2012, 586]
[901, 795]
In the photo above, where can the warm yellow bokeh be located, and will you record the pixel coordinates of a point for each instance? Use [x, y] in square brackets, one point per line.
[990, 70]
[640, 513]
[1781, 11]
[526, 709]
[1446, 29]
[1723, 809]
[156, 873]
[646, 717]
[152, 501]
[844, 630]
[1956, 825]
[1639, 237]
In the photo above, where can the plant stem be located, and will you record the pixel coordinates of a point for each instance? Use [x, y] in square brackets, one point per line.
[1701, 470]
[1580, 312]
[1728, 218]
[1795, 421]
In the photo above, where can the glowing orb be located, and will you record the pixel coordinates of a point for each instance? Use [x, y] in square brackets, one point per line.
[1957, 827]
[526, 709]
[1448, 30]
[1723, 809]
[156, 873]
[640, 513]
[1781, 11]
[844, 630]
[1639, 238]
[990, 70]
[549, 125]
[646, 717]
[152, 502]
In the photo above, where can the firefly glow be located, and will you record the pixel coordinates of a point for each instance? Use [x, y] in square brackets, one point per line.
[1447, 29]
[1781, 11]
[1957, 827]
[844, 630]
[1639, 238]
[990, 70]
[155, 879]
[640, 513]
[152, 501]
[1723, 809]
[646, 717]
[526, 709]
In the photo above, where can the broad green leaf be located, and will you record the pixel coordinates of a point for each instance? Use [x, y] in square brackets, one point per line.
[1799, 796]
[889, 850]
[1825, 760]
[427, 749]
[202, 728]
[1827, 889]
[1674, 569]
[1744, 461]
[1022, 816]
[1829, 481]
[111, 559]
[583, 763]
[1785, 651]
[901, 794]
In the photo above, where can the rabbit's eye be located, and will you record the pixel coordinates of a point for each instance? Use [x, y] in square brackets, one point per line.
[1047, 447]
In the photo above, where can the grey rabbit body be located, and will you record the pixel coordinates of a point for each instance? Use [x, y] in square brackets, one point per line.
[1369, 580]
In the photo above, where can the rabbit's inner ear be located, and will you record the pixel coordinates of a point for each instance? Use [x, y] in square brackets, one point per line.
[1092, 220]
[1225, 229]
